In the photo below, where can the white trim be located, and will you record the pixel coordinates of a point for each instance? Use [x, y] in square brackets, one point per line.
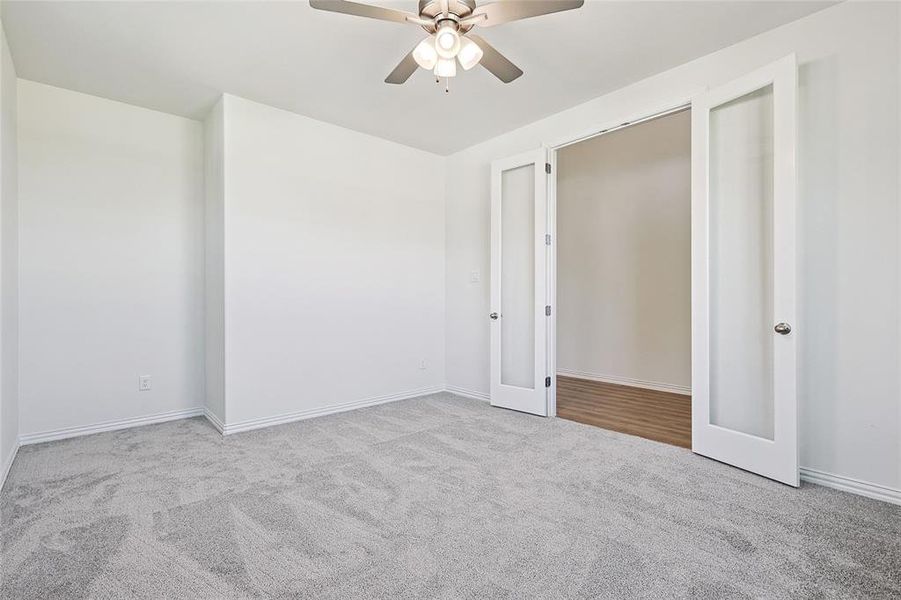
[639, 383]
[845, 484]
[452, 389]
[854, 486]
[9, 464]
[70, 432]
[899, 253]
[652, 110]
[214, 420]
[250, 424]
[551, 283]
[628, 123]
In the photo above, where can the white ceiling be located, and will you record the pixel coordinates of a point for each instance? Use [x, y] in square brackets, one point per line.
[178, 57]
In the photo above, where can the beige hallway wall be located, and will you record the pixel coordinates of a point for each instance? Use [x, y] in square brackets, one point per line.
[624, 255]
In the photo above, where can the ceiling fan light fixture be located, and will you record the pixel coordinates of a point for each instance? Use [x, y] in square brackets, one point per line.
[470, 54]
[446, 67]
[448, 21]
[447, 41]
[425, 54]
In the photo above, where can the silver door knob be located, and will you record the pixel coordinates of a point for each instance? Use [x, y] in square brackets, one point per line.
[782, 328]
[493, 316]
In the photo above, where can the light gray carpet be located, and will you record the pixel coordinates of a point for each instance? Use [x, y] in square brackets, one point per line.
[437, 497]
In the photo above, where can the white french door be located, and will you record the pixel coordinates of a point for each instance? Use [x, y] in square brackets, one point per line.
[744, 405]
[519, 282]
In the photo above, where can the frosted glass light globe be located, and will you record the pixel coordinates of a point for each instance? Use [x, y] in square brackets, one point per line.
[446, 67]
[470, 54]
[425, 54]
[447, 41]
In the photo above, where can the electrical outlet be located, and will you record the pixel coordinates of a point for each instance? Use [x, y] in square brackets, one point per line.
[475, 277]
[144, 383]
[422, 364]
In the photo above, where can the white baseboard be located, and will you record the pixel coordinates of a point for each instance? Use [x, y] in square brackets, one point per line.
[640, 383]
[8, 465]
[846, 484]
[250, 424]
[467, 393]
[854, 486]
[70, 432]
[214, 420]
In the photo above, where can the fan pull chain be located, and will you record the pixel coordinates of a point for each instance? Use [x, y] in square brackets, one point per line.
[446, 84]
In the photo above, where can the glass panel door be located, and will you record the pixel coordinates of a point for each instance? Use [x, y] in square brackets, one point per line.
[519, 282]
[744, 405]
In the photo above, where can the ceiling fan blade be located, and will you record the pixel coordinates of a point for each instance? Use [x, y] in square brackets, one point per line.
[514, 10]
[363, 10]
[403, 70]
[496, 62]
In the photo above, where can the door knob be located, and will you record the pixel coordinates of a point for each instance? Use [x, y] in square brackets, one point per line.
[493, 316]
[782, 328]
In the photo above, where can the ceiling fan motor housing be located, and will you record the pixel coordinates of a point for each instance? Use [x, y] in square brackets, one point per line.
[457, 9]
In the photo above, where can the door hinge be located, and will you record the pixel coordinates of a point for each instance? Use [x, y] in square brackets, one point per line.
[547, 239]
[547, 310]
[547, 168]
[547, 382]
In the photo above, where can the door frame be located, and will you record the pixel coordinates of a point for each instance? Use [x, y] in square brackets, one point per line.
[627, 118]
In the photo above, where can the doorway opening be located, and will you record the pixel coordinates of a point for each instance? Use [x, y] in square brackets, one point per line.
[623, 279]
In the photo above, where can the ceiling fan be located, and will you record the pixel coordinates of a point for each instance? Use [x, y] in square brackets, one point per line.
[448, 23]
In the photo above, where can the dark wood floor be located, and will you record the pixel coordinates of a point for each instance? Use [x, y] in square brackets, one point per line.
[660, 416]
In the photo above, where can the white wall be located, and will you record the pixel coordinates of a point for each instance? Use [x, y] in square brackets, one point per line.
[111, 242]
[334, 266]
[848, 225]
[315, 277]
[214, 262]
[9, 263]
[624, 255]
